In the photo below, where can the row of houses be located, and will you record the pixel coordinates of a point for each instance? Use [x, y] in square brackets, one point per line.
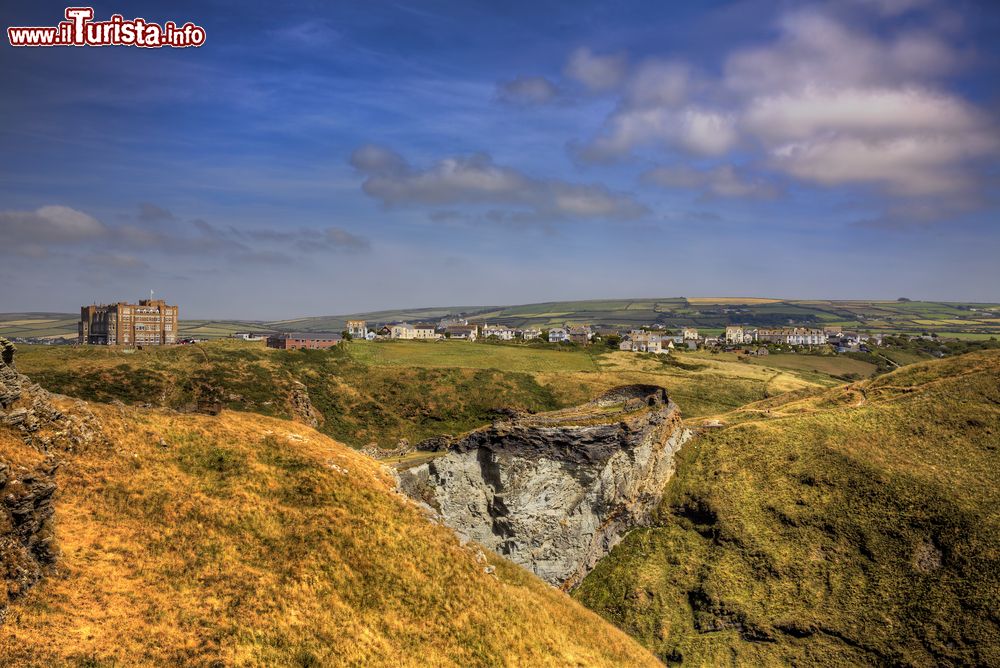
[648, 339]
[794, 336]
[453, 328]
[651, 341]
[459, 329]
[655, 340]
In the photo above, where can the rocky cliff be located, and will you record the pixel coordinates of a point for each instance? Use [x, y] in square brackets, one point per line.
[554, 492]
[32, 431]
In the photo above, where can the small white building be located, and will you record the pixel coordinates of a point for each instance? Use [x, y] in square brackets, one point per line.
[558, 335]
[402, 330]
[531, 333]
[358, 329]
[738, 334]
[248, 336]
[689, 334]
[462, 332]
[642, 341]
[425, 330]
[501, 332]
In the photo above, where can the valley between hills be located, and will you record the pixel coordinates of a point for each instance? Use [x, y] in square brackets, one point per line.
[227, 504]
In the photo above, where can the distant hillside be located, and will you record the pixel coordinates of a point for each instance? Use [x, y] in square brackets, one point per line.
[384, 391]
[857, 526]
[241, 540]
[709, 313]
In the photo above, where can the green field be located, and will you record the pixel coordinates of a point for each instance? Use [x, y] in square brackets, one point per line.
[832, 365]
[380, 392]
[463, 354]
[956, 319]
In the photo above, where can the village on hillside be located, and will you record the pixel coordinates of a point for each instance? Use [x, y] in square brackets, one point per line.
[648, 339]
[155, 323]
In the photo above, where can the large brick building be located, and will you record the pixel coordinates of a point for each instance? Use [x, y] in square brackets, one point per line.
[308, 340]
[148, 323]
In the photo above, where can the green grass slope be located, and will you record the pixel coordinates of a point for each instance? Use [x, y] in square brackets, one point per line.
[858, 526]
[364, 392]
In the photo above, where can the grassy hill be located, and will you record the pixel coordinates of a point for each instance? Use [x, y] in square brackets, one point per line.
[242, 540]
[711, 314]
[826, 523]
[383, 391]
[855, 526]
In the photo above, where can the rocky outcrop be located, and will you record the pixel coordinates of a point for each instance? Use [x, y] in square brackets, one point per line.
[27, 541]
[32, 411]
[35, 430]
[554, 492]
[373, 450]
[302, 406]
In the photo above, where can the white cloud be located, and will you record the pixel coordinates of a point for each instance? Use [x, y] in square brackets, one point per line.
[52, 224]
[908, 165]
[599, 73]
[476, 179]
[828, 102]
[815, 49]
[721, 181]
[702, 132]
[870, 113]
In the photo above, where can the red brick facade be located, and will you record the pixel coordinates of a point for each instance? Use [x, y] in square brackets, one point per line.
[303, 340]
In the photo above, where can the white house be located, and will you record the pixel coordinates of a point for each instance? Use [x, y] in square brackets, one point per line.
[248, 336]
[425, 330]
[462, 332]
[531, 333]
[402, 330]
[502, 332]
[739, 335]
[795, 336]
[358, 329]
[558, 335]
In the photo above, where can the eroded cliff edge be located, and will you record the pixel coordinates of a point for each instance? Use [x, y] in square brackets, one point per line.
[554, 492]
[32, 431]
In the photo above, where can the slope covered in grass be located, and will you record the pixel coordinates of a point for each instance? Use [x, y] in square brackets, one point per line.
[245, 540]
[385, 391]
[858, 526]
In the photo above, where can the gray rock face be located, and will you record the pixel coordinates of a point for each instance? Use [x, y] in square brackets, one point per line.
[28, 408]
[302, 406]
[27, 539]
[27, 543]
[555, 492]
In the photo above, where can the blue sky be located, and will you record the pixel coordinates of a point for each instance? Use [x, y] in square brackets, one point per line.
[331, 157]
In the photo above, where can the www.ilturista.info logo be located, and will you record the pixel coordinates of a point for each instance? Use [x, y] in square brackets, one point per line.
[79, 29]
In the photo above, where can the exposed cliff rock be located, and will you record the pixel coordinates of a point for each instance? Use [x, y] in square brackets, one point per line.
[554, 492]
[302, 406]
[32, 430]
[27, 543]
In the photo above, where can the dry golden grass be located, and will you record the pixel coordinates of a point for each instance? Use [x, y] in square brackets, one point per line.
[251, 541]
